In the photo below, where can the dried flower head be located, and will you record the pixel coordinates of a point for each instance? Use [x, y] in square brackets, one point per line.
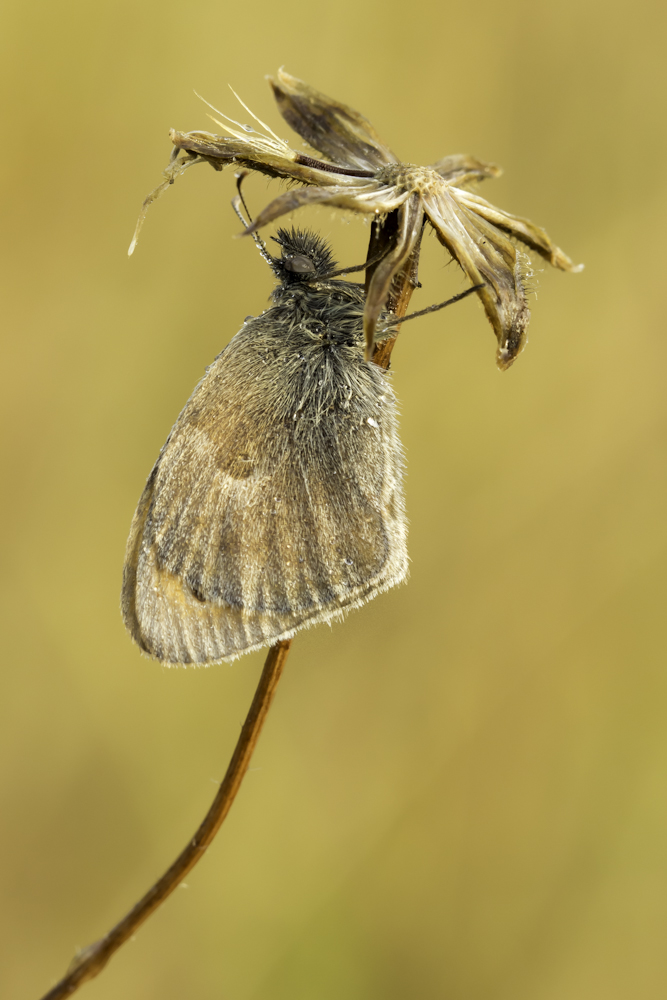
[359, 173]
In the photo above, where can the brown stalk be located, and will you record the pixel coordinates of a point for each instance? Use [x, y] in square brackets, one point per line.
[403, 285]
[91, 960]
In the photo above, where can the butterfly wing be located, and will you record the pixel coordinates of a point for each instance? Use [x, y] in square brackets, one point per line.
[276, 502]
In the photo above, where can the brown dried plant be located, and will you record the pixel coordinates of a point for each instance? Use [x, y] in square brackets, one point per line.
[356, 172]
[359, 173]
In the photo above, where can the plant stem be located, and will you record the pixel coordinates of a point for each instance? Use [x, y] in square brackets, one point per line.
[91, 960]
[403, 285]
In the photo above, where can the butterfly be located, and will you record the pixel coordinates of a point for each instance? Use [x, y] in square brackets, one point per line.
[277, 501]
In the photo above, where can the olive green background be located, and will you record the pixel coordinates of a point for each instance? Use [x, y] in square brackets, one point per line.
[460, 792]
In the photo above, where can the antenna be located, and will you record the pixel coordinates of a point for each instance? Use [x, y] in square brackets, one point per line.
[236, 203]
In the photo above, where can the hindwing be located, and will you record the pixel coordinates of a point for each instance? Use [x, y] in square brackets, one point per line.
[276, 502]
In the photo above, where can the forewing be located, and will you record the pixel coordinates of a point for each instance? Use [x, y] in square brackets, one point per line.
[276, 502]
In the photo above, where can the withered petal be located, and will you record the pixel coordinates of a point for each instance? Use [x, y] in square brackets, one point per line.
[410, 218]
[263, 155]
[289, 202]
[524, 230]
[461, 169]
[486, 255]
[207, 144]
[371, 198]
[338, 132]
[258, 155]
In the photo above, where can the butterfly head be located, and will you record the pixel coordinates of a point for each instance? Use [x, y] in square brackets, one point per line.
[305, 257]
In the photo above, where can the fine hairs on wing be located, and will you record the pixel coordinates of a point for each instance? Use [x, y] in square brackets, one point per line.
[277, 500]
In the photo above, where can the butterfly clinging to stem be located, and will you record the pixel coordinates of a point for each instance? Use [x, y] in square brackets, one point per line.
[277, 501]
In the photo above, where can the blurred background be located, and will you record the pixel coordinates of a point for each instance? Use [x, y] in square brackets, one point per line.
[460, 792]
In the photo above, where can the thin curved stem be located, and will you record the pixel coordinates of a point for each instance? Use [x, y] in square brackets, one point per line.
[91, 960]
